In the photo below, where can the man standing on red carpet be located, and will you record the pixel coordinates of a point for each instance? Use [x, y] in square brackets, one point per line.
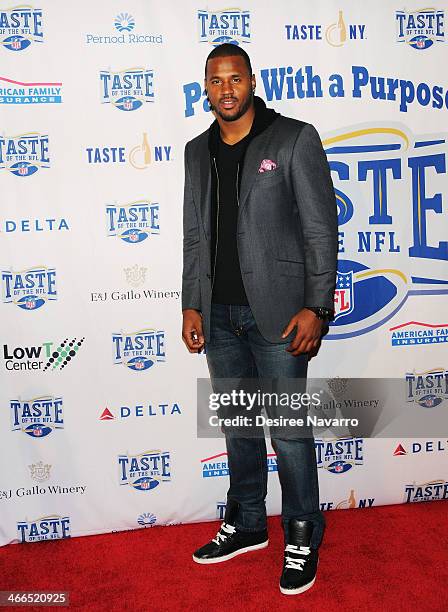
[259, 270]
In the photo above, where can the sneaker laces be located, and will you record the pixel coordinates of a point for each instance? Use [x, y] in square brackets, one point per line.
[223, 533]
[296, 563]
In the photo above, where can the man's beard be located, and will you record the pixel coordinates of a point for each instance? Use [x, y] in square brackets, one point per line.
[243, 109]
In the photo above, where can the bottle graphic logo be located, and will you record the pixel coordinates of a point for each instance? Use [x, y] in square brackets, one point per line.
[336, 33]
[140, 156]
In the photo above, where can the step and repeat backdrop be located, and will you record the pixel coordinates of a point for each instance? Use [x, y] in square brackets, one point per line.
[98, 393]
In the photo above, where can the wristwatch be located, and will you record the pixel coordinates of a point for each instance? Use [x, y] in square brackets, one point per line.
[325, 314]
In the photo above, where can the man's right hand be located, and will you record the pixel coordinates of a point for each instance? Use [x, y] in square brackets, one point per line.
[192, 333]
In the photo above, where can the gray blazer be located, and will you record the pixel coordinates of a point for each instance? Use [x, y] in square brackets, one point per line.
[287, 227]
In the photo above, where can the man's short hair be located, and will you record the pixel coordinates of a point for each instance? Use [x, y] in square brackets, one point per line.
[228, 50]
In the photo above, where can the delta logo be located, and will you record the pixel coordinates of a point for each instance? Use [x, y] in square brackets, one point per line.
[144, 471]
[427, 389]
[48, 356]
[417, 447]
[20, 27]
[127, 90]
[52, 527]
[29, 289]
[25, 154]
[11, 226]
[348, 504]
[339, 455]
[139, 156]
[217, 465]
[18, 92]
[415, 333]
[226, 26]
[420, 29]
[427, 491]
[151, 409]
[139, 350]
[134, 222]
[37, 417]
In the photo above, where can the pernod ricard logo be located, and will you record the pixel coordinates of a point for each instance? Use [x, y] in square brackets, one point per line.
[335, 34]
[29, 289]
[23, 155]
[20, 26]
[340, 454]
[127, 90]
[374, 167]
[133, 222]
[125, 25]
[227, 26]
[217, 465]
[426, 491]
[52, 527]
[420, 29]
[18, 92]
[37, 417]
[144, 471]
[139, 350]
[414, 333]
[427, 389]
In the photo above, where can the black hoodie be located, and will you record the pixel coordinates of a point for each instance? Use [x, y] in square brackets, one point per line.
[229, 288]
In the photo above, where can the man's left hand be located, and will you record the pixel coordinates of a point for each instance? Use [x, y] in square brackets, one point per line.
[308, 334]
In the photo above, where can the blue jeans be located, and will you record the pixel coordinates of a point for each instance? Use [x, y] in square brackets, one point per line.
[238, 350]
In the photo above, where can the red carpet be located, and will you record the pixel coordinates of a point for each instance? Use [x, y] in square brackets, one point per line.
[390, 558]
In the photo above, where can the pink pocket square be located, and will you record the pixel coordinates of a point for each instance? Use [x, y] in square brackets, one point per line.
[267, 165]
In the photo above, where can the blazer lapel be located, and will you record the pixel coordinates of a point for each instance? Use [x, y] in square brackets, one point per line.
[204, 180]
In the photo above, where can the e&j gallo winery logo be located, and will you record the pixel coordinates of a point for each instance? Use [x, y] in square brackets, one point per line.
[226, 26]
[127, 90]
[37, 417]
[139, 350]
[20, 27]
[420, 29]
[29, 289]
[144, 471]
[25, 154]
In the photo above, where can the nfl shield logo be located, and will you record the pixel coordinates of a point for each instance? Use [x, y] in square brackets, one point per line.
[16, 45]
[30, 304]
[145, 484]
[139, 365]
[23, 170]
[37, 431]
[420, 43]
[343, 295]
[128, 104]
[133, 237]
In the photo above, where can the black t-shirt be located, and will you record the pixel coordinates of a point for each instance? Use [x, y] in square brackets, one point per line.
[228, 285]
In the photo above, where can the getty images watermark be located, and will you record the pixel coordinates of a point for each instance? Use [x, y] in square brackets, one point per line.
[414, 405]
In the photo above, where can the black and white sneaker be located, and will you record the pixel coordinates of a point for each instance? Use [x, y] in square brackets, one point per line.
[230, 542]
[300, 562]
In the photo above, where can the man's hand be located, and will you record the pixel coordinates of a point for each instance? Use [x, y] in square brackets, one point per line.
[308, 333]
[192, 333]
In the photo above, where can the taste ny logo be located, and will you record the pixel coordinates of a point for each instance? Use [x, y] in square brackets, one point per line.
[23, 155]
[420, 29]
[20, 26]
[37, 417]
[139, 350]
[139, 156]
[133, 222]
[29, 289]
[427, 389]
[144, 471]
[227, 26]
[127, 90]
